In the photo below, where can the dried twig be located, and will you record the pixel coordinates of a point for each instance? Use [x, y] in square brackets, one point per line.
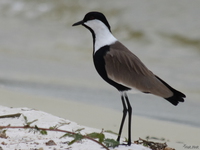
[11, 115]
[152, 145]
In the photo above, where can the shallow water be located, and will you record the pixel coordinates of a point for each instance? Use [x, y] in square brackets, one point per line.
[40, 53]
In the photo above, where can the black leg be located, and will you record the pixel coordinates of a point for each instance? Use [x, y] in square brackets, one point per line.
[129, 118]
[123, 117]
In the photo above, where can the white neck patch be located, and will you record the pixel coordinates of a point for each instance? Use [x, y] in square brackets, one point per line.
[102, 34]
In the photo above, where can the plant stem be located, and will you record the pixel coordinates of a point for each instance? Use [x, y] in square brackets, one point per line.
[57, 130]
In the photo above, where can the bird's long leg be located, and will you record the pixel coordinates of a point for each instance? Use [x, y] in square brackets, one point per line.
[129, 118]
[123, 117]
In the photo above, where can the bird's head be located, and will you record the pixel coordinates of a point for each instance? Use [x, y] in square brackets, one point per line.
[93, 21]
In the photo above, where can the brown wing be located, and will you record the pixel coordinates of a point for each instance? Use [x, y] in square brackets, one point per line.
[123, 67]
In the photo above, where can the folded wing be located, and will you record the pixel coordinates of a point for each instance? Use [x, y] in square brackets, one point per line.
[123, 67]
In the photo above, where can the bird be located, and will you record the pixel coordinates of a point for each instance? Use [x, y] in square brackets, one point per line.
[122, 69]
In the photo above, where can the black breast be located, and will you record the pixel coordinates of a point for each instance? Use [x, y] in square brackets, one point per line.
[99, 64]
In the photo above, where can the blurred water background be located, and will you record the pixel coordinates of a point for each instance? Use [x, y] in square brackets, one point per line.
[42, 54]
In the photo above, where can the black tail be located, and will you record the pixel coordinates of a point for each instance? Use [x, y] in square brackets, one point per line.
[177, 96]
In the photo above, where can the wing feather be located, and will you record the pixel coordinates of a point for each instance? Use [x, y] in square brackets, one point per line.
[123, 67]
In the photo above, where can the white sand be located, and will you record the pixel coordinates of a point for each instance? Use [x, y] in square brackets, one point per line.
[20, 139]
[98, 117]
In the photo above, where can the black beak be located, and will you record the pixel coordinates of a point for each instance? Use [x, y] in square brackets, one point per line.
[78, 23]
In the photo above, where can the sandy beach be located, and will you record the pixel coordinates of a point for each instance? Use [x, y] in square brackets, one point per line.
[178, 136]
[31, 129]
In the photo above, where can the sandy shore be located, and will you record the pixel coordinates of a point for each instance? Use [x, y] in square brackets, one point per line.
[178, 136]
[18, 138]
